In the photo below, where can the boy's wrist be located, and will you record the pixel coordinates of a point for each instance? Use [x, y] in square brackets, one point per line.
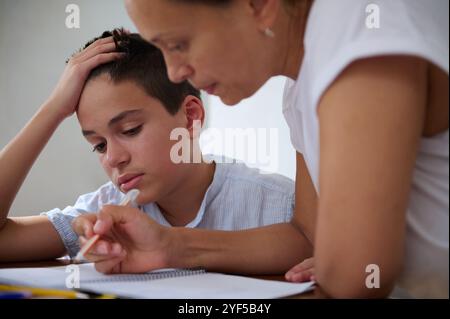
[53, 110]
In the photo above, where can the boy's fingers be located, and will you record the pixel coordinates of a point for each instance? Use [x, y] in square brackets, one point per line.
[104, 48]
[95, 44]
[101, 58]
[83, 225]
[80, 55]
[88, 229]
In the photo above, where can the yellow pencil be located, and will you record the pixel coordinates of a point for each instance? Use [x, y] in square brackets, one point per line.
[46, 292]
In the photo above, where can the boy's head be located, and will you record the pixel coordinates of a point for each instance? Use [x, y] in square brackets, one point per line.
[144, 65]
[127, 111]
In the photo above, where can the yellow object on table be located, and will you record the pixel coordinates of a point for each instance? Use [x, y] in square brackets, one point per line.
[55, 293]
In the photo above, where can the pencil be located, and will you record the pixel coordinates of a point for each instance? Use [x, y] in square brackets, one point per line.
[129, 197]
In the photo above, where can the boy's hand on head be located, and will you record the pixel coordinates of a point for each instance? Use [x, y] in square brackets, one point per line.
[302, 272]
[66, 95]
[130, 241]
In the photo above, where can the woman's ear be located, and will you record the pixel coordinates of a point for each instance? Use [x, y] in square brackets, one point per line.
[265, 12]
[195, 114]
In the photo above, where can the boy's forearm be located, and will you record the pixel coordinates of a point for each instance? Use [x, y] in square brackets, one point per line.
[30, 239]
[267, 250]
[17, 157]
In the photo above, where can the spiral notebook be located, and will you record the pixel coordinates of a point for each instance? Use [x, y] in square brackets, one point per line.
[159, 284]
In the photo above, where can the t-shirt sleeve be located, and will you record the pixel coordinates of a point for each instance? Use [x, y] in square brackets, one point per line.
[85, 204]
[413, 28]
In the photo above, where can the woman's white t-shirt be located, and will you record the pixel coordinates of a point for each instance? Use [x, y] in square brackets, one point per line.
[340, 32]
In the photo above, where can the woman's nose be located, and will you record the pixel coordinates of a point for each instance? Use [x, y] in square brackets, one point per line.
[179, 73]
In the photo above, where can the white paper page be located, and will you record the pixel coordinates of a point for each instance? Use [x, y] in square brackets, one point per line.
[204, 286]
[199, 286]
[54, 277]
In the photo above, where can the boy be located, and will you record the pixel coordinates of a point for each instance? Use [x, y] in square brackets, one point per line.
[127, 108]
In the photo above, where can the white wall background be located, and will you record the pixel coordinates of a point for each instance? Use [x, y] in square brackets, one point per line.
[262, 110]
[34, 44]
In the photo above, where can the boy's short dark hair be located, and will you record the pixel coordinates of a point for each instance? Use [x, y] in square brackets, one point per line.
[144, 64]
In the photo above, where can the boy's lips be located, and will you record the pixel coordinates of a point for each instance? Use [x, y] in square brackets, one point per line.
[129, 181]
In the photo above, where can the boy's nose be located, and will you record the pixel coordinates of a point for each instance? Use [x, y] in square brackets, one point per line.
[116, 156]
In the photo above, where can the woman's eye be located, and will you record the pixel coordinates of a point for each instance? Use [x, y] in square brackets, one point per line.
[100, 148]
[178, 47]
[133, 131]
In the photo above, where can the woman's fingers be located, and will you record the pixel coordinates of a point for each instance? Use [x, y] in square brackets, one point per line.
[302, 271]
[103, 247]
[107, 256]
[110, 266]
[306, 275]
[304, 265]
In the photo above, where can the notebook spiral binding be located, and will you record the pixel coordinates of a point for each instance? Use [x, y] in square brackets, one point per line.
[150, 276]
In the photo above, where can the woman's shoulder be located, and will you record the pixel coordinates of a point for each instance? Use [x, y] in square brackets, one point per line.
[337, 30]
[339, 33]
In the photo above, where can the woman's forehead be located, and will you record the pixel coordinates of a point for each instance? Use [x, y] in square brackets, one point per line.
[155, 18]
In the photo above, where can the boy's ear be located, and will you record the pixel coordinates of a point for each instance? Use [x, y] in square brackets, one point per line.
[194, 111]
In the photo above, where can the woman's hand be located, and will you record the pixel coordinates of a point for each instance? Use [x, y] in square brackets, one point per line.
[130, 241]
[66, 95]
[304, 271]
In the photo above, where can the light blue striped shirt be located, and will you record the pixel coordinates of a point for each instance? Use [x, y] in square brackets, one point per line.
[238, 198]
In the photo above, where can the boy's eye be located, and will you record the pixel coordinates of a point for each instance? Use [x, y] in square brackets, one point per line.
[100, 148]
[133, 131]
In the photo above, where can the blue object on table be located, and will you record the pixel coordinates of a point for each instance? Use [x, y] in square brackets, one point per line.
[14, 295]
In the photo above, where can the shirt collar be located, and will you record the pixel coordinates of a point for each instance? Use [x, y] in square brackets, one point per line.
[154, 212]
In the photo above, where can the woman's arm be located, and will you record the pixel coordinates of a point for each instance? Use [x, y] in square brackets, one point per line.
[132, 242]
[270, 249]
[371, 121]
[146, 245]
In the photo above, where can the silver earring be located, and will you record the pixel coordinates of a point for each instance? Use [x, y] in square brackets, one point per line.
[269, 33]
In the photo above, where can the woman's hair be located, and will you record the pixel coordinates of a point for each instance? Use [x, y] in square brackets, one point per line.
[143, 64]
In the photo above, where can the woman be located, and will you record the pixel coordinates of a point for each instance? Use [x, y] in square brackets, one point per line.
[368, 91]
